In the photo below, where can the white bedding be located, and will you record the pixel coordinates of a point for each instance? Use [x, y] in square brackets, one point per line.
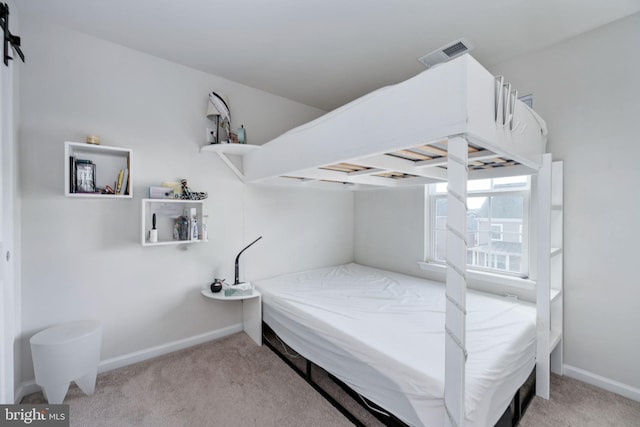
[382, 333]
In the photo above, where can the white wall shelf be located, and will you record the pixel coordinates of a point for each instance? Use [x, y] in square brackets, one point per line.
[167, 210]
[108, 160]
[251, 311]
[223, 150]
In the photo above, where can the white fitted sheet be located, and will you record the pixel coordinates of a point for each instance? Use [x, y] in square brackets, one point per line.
[382, 333]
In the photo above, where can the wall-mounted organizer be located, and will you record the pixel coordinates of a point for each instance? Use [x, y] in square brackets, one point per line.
[99, 166]
[167, 213]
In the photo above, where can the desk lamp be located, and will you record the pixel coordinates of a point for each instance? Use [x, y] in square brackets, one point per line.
[236, 281]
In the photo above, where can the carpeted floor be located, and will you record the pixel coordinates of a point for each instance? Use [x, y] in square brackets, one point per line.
[576, 404]
[232, 382]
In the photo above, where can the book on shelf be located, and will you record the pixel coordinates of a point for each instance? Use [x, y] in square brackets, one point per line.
[119, 181]
[72, 174]
[122, 182]
[125, 182]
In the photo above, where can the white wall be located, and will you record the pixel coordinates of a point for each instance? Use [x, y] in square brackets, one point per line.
[389, 229]
[588, 91]
[318, 223]
[82, 258]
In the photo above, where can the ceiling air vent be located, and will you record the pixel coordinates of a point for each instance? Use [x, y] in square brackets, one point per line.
[445, 53]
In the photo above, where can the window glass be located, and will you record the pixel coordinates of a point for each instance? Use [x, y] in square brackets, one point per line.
[497, 224]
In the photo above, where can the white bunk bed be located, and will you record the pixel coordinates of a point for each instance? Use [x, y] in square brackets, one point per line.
[399, 135]
[450, 123]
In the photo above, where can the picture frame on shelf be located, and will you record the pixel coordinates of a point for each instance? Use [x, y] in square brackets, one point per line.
[85, 176]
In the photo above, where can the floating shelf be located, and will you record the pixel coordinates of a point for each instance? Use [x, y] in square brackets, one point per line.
[234, 149]
[166, 211]
[108, 160]
[173, 242]
[221, 296]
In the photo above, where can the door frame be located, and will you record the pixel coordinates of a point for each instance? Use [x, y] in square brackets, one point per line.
[8, 291]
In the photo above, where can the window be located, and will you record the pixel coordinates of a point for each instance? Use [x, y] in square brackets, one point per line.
[496, 232]
[497, 224]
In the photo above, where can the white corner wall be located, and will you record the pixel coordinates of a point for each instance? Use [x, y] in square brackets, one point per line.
[82, 258]
[389, 229]
[588, 91]
[302, 229]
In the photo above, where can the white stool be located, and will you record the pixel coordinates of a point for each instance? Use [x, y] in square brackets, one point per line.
[65, 353]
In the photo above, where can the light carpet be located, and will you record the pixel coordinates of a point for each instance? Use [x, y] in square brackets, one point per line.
[232, 382]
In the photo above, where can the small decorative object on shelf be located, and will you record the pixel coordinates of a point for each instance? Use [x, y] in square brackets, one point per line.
[85, 176]
[205, 232]
[242, 289]
[92, 139]
[216, 286]
[153, 233]
[175, 186]
[242, 137]
[218, 111]
[233, 138]
[161, 192]
[191, 215]
[187, 194]
[181, 229]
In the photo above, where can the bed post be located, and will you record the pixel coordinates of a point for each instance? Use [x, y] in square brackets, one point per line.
[543, 283]
[456, 289]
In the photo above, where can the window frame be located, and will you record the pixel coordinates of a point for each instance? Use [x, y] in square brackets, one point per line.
[527, 194]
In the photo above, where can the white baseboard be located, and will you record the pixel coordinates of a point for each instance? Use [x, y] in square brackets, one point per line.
[150, 353]
[25, 389]
[30, 386]
[602, 382]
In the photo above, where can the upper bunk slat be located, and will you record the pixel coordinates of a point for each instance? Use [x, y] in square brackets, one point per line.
[411, 120]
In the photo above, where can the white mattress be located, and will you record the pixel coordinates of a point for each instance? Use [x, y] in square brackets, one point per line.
[382, 333]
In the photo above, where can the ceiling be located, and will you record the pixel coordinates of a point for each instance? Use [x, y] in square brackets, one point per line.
[324, 53]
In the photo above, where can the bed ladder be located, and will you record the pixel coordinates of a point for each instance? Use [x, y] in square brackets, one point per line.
[549, 298]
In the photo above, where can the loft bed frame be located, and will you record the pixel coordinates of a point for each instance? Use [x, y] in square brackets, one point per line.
[401, 135]
[451, 123]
